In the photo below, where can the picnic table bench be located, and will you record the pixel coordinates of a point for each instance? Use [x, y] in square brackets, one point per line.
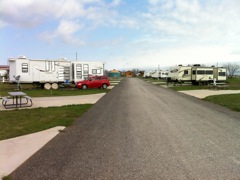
[17, 100]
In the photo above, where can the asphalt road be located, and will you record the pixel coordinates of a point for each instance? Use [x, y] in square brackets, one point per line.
[143, 131]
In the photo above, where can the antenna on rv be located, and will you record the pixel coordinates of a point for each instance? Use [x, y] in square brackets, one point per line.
[76, 56]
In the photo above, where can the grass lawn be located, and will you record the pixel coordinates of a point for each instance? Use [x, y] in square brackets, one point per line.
[15, 123]
[234, 84]
[34, 91]
[231, 101]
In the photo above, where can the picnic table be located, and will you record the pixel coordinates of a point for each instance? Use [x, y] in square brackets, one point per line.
[17, 99]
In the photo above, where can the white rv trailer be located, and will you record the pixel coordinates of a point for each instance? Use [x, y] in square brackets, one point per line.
[163, 74]
[196, 74]
[159, 74]
[220, 74]
[155, 74]
[179, 74]
[202, 74]
[51, 73]
[147, 74]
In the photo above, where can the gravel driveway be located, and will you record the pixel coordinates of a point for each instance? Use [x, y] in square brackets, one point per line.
[142, 131]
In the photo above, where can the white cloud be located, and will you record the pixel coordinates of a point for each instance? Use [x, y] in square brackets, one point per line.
[209, 55]
[65, 32]
[31, 13]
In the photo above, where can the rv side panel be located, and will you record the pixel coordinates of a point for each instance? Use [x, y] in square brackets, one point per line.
[220, 74]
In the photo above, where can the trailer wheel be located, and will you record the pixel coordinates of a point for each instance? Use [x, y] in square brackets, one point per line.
[55, 86]
[84, 86]
[47, 86]
[104, 86]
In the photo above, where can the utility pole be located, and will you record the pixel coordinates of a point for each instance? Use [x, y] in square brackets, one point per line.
[76, 56]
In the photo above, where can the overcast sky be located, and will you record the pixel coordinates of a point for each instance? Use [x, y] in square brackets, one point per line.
[124, 34]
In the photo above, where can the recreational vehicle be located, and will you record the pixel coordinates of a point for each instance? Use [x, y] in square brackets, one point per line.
[163, 74]
[155, 74]
[159, 74]
[202, 74]
[147, 74]
[51, 73]
[196, 74]
[179, 74]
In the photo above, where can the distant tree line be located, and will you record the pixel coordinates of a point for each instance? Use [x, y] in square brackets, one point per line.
[232, 69]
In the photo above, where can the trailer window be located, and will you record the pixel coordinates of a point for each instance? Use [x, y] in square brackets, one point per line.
[200, 72]
[24, 67]
[222, 74]
[185, 71]
[50, 66]
[85, 69]
[194, 72]
[174, 70]
[79, 71]
[209, 72]
[96, 71]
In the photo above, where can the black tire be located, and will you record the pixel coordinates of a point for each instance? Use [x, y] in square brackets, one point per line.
[104, 86]
[84, 86]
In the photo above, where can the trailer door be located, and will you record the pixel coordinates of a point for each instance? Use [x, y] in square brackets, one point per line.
[36, 73]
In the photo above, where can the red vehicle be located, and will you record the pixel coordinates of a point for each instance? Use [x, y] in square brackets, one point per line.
[94, 82]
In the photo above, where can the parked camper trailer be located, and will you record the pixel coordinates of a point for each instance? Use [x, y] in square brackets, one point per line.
[202, 74]
[159, 74]
[196, 74]
[220, 74]
[155, 74]
[179, 74]
[147, 74]
[51, 73]
[163, 74]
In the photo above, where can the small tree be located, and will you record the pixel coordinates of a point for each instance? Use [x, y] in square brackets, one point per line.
[232, 68]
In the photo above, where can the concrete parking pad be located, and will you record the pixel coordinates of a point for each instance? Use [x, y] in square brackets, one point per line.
[204, 92]
[15, 151]
[63, 100]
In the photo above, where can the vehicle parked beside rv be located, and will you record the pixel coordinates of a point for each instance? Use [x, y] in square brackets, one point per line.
[51, 73]
[94, 82]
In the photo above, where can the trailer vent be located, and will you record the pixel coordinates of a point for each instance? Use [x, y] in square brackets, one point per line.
[197, 65]
[22, 57]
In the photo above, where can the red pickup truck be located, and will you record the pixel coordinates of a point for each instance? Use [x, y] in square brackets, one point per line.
[94, 82]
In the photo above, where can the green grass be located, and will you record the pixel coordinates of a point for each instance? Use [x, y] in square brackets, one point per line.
[231, 101]
[34, 91]
[25, 121]
[15, 123]
[188, 87]
[234, 84]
